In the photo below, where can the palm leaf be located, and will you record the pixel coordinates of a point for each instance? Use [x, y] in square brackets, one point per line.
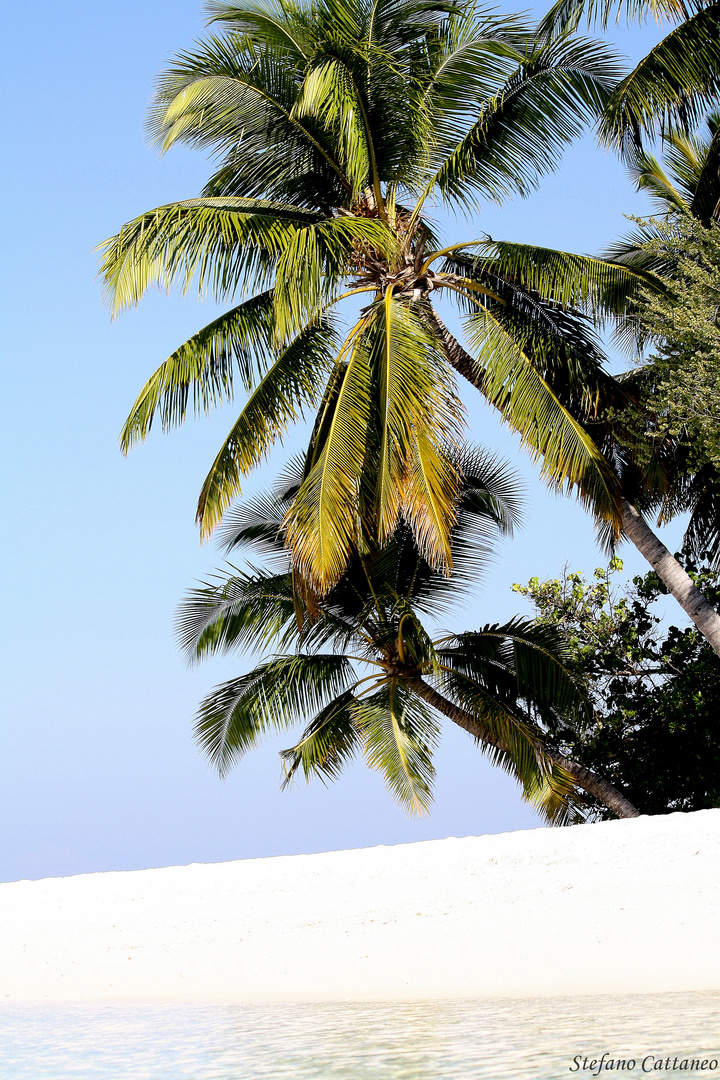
[239, 612]
[293, 382]
[598, 286]
[569, 456]
[566, 15]
[523, 130]
[239, 339]
[321, 526]
[216, 241]
[237, 714]
[420, 424]
[329, 742]
[399, 736]
[671, 87]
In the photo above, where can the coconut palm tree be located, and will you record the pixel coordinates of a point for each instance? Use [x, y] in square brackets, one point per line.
[337, 124]
[357, 666]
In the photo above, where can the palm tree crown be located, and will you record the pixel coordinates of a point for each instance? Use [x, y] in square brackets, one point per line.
[360, 670]
[337, 123]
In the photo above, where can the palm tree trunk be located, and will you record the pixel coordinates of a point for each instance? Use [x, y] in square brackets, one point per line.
[589, 781]
[678, 583]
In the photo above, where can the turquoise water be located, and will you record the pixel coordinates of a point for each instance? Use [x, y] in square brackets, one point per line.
[473, 1040]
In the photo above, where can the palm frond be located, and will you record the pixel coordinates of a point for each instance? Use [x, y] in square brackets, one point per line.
[235, 96]
[241, 611]
[264, 20]
[329, 742]
[237, 714]
[329, 93]
[321, 527]
[533, 655]
[566, 15]
[597, 286]
[705, 204]
[671, 88]
[239, 339]
[221, 243]
[522, 131]
[399, 736]
[569, 456]
[292, 383]
[420, 425]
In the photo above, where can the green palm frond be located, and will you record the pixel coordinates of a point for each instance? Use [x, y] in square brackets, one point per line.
[705, 203]
[649, 176]
[521, 133]
[243, 611]
[671, 88]
[236, 715]
[237, 97]
[420, 426]
[505, 736]
[292, 383]
[329, 742]
[218, 242]
[532, 655]
[330, 94]
[399, 735]
[272, 23]
[566, 15]
[597, 286]
[257, 522]
[321, 527]
[240, 339]
[569, 456]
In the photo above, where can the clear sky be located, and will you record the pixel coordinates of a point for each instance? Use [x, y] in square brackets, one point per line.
[97, 766]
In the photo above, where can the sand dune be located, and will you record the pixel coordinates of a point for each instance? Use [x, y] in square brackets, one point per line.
[617, 907]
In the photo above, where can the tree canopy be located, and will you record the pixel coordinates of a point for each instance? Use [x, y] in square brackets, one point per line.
[360, 670]
[337, 124]
[655, 691]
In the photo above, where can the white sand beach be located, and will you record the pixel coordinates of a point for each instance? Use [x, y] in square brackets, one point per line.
[616, 907]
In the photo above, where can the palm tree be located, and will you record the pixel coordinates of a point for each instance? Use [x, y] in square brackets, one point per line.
[671, 88]
[337, 125]
[359, 668]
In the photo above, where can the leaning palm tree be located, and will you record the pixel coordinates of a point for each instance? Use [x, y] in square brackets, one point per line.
[360, 670]
[339, 124]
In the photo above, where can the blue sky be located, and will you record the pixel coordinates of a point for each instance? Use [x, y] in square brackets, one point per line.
[97, 766]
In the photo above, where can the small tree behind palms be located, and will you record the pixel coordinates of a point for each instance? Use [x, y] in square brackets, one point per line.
[359, 669]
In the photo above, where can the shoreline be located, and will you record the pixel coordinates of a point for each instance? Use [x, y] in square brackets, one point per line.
[619, 907]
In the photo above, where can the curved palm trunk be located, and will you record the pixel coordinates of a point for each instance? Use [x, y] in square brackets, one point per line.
[678, 583]
[589, 781]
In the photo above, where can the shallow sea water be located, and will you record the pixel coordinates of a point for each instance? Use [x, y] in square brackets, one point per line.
[432, 1040]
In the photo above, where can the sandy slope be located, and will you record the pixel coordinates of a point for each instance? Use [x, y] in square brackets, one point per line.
[618, 907]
